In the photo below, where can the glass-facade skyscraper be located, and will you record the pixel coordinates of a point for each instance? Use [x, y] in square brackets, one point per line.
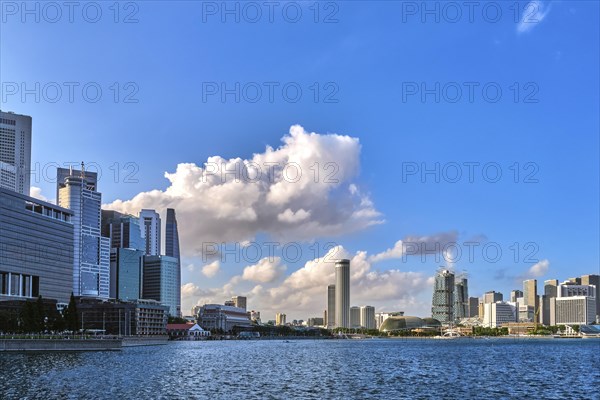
[172, 249]
[15, 152]
[461, 298]
[159, 281]
[442, 304]
[91, 263]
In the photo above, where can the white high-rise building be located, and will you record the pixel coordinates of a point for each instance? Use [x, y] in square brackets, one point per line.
[367, 317]
[91, 261]
[342, 293]
[576, 310]
[150, 226]
[497, 314]
[330, 306]
[15, 152]
[354, 317]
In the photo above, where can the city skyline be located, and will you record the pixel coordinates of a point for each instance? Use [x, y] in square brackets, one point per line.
[378, 116]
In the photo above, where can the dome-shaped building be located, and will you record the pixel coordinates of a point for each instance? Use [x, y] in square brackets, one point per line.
[403, 323]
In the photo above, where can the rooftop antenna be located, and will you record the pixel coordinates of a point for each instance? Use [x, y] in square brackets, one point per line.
[70, 170]
[82, 170]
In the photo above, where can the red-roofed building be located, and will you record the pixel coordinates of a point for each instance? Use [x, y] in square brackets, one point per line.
[186, 332]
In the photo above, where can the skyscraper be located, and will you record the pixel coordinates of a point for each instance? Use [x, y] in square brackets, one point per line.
[442, 304]
[514, 295]
[530, 296]
[123, 230]
[367, 317]
[160, 281]
[280, 319]
[342, 293]
[354, 317]
[473, 307]
[492, 297]
[551, 287]
[150, 225]
[461, 298]
[172, 250]
[91, 265]
[593, 280]
[15, 152]
[330, 306]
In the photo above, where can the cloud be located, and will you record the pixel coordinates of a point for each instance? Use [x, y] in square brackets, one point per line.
[36, 192]
[303, 292]
[302, 190]
[538, 269]
[264, 271]
[210, 270]
[533, 14]
[419, 245]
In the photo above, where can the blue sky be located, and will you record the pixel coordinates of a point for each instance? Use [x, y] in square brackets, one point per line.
[365, 58]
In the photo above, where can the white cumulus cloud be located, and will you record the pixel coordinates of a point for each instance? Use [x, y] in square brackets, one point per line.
[301, 190]
[266, 270]
[210, 270]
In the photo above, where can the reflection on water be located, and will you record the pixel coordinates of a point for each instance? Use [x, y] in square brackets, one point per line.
[379, 368]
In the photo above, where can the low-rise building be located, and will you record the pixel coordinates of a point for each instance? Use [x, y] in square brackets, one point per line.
[221, 317]
[186, 332]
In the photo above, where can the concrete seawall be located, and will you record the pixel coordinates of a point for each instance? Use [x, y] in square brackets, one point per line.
[22, 345]
[134, 341]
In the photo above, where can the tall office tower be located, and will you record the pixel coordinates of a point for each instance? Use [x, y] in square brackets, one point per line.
[36, 248]
[442, 304]
[473, 307]
[461, 298]
[239, 301]
[91, 264]
[123, 230]
[593, 280]
[342, 293]
[280, 319]
[159, 281]
[530, 296]
[126, 273]
[551, 288]
[331, 306]
[492, 297]
[150, 225]
[354, 317]
[367, 317]
[514, 295]
[172, 250]
[15, 152]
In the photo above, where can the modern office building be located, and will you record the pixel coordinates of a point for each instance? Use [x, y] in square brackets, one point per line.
[36, 248]
[492, 297]
[461, 297]
[595, 281]
[172, 250]
[239, 301]
[15, 152]
[530, 296]
[551, 287]
[150, 229]
[473, 307]
[123, 230]
[342, 293]
[280, 319]
[367, 317]
[570, 290]
[442, 305]
[221, 317]
[77, 191]
[159, 281]
[330, 306]
[139, 317]
[354, 317]
[500, 313]
[575, 310]
[126, 267]
[515, 295]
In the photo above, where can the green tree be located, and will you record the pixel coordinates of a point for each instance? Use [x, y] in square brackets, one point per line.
[40, 315]
[70, 315]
